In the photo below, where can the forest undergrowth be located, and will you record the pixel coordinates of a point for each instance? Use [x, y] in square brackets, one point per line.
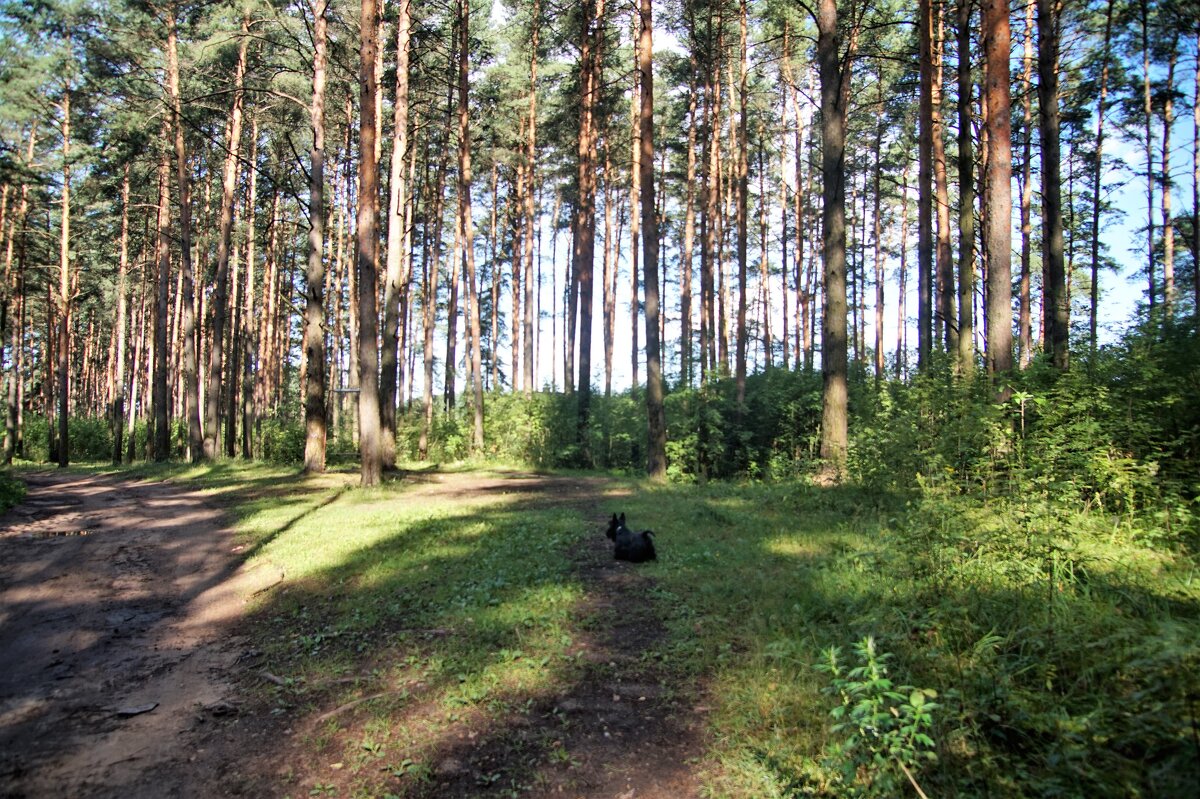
[1002, 600]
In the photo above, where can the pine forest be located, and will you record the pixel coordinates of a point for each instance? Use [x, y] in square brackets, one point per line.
[886, 318]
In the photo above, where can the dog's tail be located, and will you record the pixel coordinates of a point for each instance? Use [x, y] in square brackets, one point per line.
[649, 533]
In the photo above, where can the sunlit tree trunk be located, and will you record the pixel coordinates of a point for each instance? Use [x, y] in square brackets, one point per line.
[1098, 175]
[161, 400]
[314, 301]
[117, 411]
[944, 318]
[585, 214]
[395, 280]
[997, 222]
[1148, 118]
[925, 245]
[689, 236]
[1057, 312]
[233, 131]
[966, 201]
[741, 144]
[64, 289]
[656, 454]
[367, 247]
[467, 226]
[834, 79]
[191, 384]
[1168, 222]
[531, 183]
[1025, 297]
[14, 287]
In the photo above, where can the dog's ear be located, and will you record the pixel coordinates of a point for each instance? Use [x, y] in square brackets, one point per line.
[614, 518]
[622, 518]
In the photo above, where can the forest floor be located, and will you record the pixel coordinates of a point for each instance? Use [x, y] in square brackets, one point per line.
[129, 665]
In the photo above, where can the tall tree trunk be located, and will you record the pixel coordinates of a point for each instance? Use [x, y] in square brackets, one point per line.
[743, 195]
[925, 250]
[834, 82]
[228, 185]
[314, 301]
[1057, 314]
[877, 216]
[1195, 185]
[902, 287]
[635, 170]
[1168, 222]
[1098, 176]
[161, 399]
[1148, 115]
[531, 183]
[117, 411]
[367, 250]
[248, 338]
[944, 318]
[966, 198]
[191, 377]
[689, 237]
[64, 290]
[656, 453]
[396, 280]
[997, 222]
[591, 63]
[1025, 319]
[14, 286]
[467, 226]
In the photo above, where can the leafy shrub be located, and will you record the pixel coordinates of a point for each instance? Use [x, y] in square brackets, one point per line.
[881, 730]
[282, 441]
[12, 490]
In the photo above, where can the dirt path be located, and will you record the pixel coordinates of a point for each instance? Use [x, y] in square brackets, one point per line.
[114, 603]
[123, 670]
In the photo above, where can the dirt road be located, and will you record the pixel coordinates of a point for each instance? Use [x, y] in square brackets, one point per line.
[114, 650]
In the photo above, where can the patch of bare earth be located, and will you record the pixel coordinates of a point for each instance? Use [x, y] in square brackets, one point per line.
[127, 668]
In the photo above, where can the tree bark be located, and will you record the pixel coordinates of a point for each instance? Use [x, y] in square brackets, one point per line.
[315, 430]
[945, 317]
[531, 182]
[656, 454]
[191, 378]
[64, 290]
[966, 199]
[743, 196]
[1057, 312]
[228, 185]
[117, 411]
[367, 238]
[585, 214]
[834, 74]
[396, 280]
[1025, 298]
[161, 400]
[1098, 176]
[997, 222]
[1168, 221]
[925, 245]
[467, 225]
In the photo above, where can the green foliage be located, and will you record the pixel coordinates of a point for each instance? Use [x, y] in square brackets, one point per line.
[282, 440]
[89, 439]
[882, 729]
[12, 490]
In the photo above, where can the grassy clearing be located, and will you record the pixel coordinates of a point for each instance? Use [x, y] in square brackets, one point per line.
[1063, 647]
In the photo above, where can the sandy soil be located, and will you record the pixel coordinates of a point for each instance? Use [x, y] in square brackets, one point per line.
[126, 666]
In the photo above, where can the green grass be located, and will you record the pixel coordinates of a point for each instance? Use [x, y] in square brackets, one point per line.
[1064, 650]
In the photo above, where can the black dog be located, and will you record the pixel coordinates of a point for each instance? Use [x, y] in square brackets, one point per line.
[628, 545]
